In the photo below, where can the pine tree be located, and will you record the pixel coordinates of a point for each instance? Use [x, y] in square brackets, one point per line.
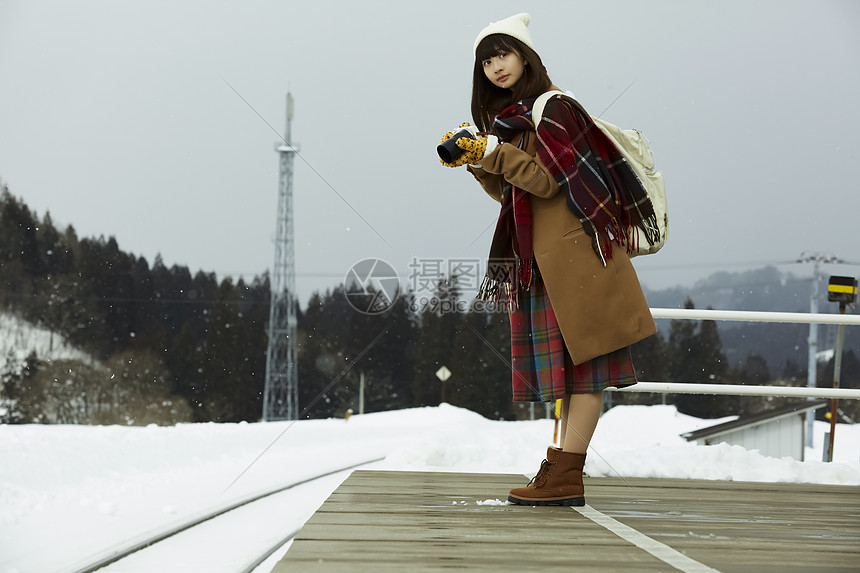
[229, 385]
[14, 378]
[481, 363]
[20, 227]
[697, 356]
[389, 363]
[19, 256]
[754, 371]
[793, 373]
[439, 327]
[317, 356]
[682, 345]
[709, 356]
[651, 360]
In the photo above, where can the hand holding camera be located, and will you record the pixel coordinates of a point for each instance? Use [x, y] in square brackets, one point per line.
[464, 145]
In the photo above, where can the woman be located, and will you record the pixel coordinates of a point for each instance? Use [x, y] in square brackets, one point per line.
[575, 302]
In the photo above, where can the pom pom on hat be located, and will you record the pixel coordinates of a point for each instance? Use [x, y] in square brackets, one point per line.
[516, 26]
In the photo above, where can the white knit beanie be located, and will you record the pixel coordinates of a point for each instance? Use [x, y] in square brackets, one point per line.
[516, 26]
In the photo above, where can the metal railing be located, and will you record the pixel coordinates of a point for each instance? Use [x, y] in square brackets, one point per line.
[742, 390]
[739, 389]
[755, 316]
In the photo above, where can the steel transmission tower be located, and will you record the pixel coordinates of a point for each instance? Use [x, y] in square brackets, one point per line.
[281, 395]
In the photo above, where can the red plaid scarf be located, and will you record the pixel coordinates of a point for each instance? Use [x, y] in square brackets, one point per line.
[509, 269]
[600, 188]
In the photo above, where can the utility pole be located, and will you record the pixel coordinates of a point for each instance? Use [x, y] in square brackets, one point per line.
[281, 394]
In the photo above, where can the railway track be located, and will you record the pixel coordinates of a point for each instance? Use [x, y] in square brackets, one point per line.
[157, 539]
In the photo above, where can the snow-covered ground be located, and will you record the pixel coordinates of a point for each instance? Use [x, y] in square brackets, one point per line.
[19, 338]
[69, 491]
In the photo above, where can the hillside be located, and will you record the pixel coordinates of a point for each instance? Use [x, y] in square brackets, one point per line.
[18, 338]
[763, 289]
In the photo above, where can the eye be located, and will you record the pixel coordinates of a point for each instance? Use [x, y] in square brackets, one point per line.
[485, 63]
[503, 55]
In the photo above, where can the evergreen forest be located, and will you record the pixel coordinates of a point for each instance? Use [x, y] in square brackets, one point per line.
[163, 345]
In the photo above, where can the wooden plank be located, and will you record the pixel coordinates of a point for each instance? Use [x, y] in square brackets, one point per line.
[737, 526]
[452, 531]
[418, 521]
[385, 556]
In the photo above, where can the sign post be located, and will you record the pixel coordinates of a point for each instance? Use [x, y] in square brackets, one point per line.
[844, 291]
[443, 374]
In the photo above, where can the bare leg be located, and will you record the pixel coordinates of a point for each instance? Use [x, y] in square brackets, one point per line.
[565, 404]
[579, 421]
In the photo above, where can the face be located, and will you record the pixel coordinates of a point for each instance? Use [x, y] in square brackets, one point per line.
[504, 69]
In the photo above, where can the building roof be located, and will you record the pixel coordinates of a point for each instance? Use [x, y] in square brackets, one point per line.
[755, 420]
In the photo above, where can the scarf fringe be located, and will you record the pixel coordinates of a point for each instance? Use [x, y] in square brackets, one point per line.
[649, 229]
[502, 283]
[493, 291]
[626, 237]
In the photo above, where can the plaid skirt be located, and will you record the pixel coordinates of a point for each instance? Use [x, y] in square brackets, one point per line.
[542, 368]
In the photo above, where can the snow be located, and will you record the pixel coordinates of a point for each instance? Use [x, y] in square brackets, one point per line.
[496, 501]
[80, 489]
[21, 337]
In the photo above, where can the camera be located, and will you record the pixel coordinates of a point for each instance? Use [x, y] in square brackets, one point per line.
[448, 150]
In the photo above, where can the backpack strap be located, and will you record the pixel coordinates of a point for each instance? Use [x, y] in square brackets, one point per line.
[540, 103]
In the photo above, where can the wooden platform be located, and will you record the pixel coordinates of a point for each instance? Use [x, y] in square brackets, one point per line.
[420, 521]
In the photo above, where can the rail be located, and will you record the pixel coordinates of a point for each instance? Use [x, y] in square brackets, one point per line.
[755, 316]
[742, 389]
[121, 551]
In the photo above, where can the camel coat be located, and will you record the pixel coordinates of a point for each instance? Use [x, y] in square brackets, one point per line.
[599, 309]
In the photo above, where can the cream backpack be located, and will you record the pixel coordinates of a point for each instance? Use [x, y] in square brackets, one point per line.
[638, 154]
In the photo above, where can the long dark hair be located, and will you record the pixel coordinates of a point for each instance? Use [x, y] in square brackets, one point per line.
[488, 99]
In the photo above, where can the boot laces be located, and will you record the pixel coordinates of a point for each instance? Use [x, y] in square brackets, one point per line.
[540, 477]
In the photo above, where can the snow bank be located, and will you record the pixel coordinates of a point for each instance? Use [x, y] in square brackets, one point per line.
[631, 441]
[111, 483]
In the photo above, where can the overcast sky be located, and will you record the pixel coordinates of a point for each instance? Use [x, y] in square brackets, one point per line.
[116, 117]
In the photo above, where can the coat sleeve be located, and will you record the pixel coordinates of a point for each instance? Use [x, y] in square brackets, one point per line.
[521, 170]
[491, 183]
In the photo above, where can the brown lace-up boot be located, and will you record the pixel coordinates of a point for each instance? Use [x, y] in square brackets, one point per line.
[559, 481]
